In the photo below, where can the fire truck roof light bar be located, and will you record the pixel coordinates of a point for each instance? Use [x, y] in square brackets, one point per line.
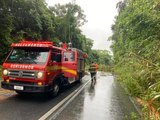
[32, 44]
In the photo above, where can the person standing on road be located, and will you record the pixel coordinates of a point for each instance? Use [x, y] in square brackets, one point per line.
[93, 70]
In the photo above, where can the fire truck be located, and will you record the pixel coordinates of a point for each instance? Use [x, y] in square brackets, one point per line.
[40, 66]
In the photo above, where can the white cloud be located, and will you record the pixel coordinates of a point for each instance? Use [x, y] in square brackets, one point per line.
[100, 15]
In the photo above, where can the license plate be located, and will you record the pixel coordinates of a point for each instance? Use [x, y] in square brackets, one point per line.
[18, 87]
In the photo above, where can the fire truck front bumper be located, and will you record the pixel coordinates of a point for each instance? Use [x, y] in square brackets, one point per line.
[25, 87]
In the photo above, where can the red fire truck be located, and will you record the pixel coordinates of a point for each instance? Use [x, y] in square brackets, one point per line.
[36, 67]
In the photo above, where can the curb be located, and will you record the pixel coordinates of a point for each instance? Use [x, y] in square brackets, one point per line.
[131, 99]
[136, 105]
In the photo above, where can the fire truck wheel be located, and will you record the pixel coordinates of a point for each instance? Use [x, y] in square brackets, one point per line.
[55, 90]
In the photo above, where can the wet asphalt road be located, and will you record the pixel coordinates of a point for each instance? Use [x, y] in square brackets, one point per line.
[105, 100]
[31, 107]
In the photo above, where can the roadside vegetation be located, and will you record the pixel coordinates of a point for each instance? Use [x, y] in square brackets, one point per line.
[136, 43]
[103, 59]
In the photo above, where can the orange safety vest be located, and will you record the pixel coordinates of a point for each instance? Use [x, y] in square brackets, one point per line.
[93, 68]
[96, 66]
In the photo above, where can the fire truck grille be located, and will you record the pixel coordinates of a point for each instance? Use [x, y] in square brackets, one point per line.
[20, 82]
[21, 74]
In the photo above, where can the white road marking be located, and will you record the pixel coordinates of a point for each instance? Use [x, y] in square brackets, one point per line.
[68, 98]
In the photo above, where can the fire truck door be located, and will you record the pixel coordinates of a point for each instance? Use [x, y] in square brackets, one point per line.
[69, 65]
[53, 67]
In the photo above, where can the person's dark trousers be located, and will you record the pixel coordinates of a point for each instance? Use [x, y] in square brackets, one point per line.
[93, 74]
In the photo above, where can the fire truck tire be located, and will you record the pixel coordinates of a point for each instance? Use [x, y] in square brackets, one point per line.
[55, 91]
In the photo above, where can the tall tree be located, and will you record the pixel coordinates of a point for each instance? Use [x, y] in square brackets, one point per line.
[33, 18]
[69, 18]
[136, 46]
[6, 27]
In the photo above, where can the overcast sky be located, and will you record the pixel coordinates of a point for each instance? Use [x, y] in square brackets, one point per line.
[100, 15]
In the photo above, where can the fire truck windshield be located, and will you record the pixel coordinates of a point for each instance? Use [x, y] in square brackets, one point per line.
[28, 56]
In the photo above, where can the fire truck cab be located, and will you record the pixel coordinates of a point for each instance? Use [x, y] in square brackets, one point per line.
[37, 67]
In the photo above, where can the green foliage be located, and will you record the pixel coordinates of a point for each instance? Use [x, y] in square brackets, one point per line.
[136, 47]
[5, 27]
[103, 58]
[132, 116]
[24, 19]
[32, 19]
[69, 18]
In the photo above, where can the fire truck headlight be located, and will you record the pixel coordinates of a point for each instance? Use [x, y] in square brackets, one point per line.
[39, 74]
[5, 72]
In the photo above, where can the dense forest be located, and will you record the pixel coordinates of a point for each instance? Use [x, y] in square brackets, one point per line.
[136, 44]
[35, 20]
